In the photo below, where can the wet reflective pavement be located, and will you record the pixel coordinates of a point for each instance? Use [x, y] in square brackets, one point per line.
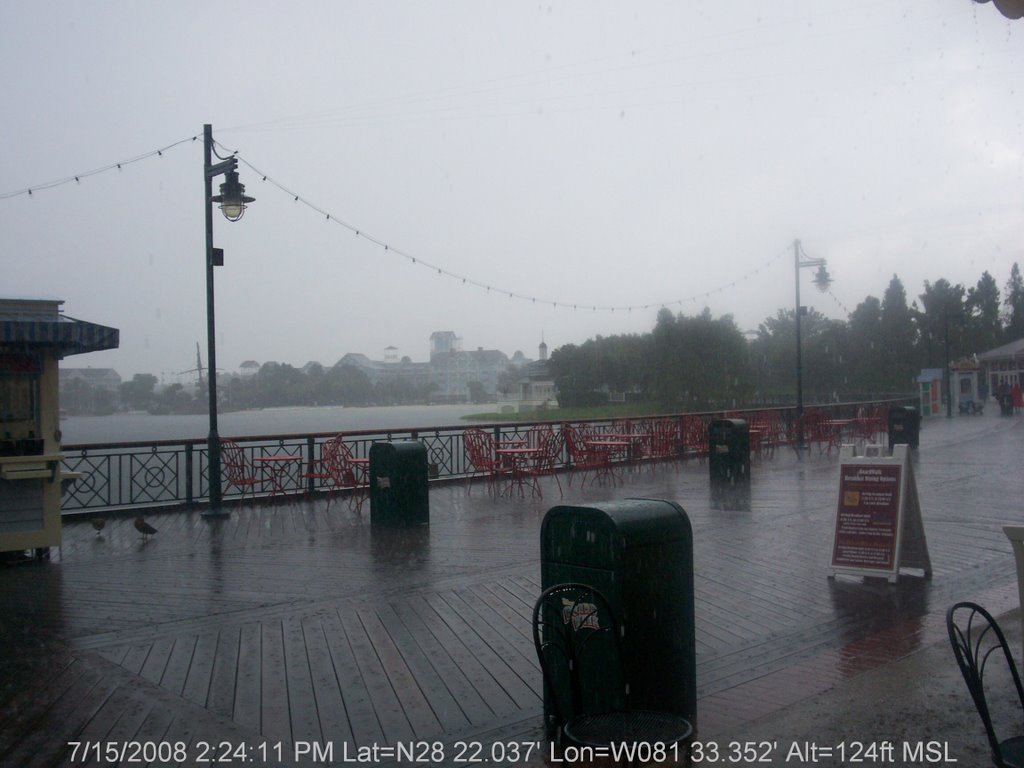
[294, 627]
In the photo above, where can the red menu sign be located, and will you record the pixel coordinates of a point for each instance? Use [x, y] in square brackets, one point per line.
[868, 517]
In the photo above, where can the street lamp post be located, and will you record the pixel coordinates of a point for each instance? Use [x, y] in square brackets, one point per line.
[232, 200]
[948, 383]
[822, 280]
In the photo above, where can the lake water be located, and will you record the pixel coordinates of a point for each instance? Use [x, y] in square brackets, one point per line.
[129, 427]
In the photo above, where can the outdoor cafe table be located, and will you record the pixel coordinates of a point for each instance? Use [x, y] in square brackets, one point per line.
[609, 448]
[836, 429]
[276, 470]
[518, 457]
[632, 438]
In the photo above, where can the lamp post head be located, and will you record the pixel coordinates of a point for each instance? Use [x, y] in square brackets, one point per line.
[822, 279]
[232, 197]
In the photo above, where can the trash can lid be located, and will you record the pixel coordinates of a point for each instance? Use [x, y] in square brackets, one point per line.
[739, 423]
[632, 522]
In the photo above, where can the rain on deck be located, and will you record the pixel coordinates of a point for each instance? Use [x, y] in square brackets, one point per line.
[295, 625]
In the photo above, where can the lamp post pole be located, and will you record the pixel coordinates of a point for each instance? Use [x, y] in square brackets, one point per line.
[822, 280]
[213, 438]
[799, 355]
[232, 201]
[948, 383]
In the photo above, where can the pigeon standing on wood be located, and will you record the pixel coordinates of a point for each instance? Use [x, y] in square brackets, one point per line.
[144, 528]
[97, 524]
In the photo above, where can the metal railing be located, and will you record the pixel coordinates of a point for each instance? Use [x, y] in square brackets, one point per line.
[175, 472]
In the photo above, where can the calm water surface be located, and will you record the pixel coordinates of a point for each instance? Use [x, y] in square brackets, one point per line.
[128, 427]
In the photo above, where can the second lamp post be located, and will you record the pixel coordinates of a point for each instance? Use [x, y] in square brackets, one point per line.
[822, 280]
[232, 200]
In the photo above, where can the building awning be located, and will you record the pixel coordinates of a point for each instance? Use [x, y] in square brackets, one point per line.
[66, 335]
[1015, 349]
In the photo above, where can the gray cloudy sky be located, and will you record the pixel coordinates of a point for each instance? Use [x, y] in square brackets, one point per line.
[627, 154]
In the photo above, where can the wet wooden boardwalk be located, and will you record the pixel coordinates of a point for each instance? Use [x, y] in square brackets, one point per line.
[296, 627]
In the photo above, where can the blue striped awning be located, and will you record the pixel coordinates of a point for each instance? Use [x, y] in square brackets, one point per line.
[69, 336]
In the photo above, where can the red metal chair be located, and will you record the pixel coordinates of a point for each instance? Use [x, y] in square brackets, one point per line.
[583, 457]
[546, 463]
[238, 470]
[870, 423]
[337, 469]
[695, 436]
[318, 470]
[759, 424]
[818, 430]
[482, 459]
[663, 439]
[353, 473]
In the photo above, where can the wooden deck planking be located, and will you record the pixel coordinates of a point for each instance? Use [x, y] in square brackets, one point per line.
[445, 672]
[224, 675]
[178, 662]
[303, 717]
[327, 693]
[472, 668]
[446, 714]
[508, 636]
[489, 648]
[385, 701]
[197, 681]
[275, 720]
[248, 704]
[294, 622]
[52, 683]
[515, 614]
[159, 655]
[364, 724]
[406, 685]
[62, 721]
[116, 722]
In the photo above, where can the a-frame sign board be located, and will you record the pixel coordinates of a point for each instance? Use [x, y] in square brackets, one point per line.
[878, 516]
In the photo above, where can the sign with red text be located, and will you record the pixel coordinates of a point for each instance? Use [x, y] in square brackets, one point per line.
[878, 517]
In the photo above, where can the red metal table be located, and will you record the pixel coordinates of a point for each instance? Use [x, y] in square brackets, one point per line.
[276, 470]
[518, 458]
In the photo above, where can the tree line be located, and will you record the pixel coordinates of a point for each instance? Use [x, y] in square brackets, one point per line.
[274, 385]
[684, 363]
[697, 362]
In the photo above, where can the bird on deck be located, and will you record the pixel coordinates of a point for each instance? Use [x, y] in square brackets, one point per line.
[97, 524]
[144, 528]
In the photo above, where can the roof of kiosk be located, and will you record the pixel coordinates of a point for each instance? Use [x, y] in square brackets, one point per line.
[38, 322]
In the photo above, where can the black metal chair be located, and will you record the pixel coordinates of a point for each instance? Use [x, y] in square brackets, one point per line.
[578, 642]
[975, 636]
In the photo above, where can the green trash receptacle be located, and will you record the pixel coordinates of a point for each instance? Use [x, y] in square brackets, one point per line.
[729, 450]
[904, 426]
[639, 554]
[398, 484]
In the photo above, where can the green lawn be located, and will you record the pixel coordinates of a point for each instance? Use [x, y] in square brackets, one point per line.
[609, 411]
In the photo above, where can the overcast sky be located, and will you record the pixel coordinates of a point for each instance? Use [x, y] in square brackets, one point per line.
[611, 154]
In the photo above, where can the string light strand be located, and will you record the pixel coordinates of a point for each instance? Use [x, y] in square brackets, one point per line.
[77, 177]
[389, 248]
[466, 280]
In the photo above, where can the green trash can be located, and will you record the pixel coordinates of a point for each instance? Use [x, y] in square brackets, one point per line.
[729, 451]
[398, 484]
[639, 554]
[904, 426]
